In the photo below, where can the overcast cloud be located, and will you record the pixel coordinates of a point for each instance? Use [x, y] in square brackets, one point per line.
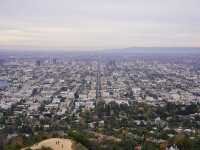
[98, 24]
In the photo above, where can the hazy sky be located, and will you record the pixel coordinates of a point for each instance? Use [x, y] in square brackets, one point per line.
[98, 24]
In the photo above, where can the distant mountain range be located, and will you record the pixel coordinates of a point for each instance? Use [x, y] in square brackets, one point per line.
[156, 50]
[88, 53]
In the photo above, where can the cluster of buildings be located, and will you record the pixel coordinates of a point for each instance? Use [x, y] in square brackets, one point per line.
[40, 88]
[150, 82]
[35, 89]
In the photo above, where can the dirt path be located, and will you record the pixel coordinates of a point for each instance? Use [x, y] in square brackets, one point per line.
[55, 144]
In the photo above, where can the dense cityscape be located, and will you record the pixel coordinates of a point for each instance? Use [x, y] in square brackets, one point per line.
[99, 75]
[121, 102]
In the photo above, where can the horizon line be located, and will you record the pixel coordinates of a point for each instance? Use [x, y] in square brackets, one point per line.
[87, 49]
